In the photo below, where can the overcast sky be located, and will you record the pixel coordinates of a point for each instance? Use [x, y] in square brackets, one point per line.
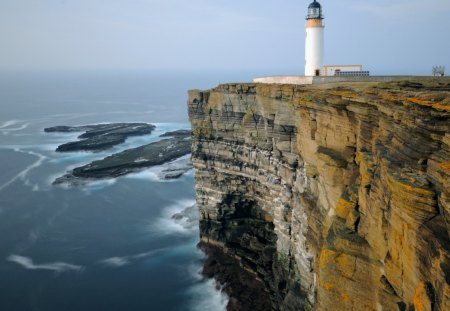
[386, 36]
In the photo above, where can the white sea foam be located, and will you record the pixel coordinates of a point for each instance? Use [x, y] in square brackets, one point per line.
[90, 186]
[87, 185]
[156, 173]
[34, 235]
[14, 125]
[9, 123]
[117, 262]
[208, 296]
[23, 174]
[206, 293]
[28, 263]
[150, 174]
[167, 224]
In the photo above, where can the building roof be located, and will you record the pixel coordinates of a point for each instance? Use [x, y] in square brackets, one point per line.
[315, 5]
[342, 66]
[314, 11]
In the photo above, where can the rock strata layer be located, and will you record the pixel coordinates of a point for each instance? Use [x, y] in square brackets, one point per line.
[331, 197]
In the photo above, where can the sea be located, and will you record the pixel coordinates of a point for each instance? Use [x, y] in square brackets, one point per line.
[106, 245]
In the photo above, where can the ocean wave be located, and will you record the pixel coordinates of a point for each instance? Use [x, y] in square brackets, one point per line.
[117, 262]
[206, 294]
[89, 186]
[180, 218]
[23, 174]
[9, 123]
[27, 263]
[150, 174]
[156, 173]
[6, 129]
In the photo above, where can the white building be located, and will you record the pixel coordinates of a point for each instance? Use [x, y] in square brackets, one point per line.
[314, 48]
[344, 70]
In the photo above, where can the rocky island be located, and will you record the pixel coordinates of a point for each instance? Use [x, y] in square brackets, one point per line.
[325, 197]
[173, 146]
[100, 136]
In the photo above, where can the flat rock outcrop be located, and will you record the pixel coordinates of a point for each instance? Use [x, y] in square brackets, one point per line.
[161, 152]
[130, 161]
[330, 197]
[100, 136]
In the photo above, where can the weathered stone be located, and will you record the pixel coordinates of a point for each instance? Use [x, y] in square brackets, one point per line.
[334, 197]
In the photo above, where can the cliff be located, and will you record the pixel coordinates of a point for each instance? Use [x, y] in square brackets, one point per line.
[330, 197]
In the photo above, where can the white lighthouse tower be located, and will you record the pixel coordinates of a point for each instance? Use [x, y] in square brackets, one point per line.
[314, 40]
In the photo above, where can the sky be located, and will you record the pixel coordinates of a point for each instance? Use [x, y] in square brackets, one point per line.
[386, 36]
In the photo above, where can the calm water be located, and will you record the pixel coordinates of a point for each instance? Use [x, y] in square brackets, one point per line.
[109, 245]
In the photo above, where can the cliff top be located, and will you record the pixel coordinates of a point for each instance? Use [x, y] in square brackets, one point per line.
[426, 93]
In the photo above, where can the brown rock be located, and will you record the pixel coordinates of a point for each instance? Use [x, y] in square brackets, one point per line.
[334, 197]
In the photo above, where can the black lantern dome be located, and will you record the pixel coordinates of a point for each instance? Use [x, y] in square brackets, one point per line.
[314, 11]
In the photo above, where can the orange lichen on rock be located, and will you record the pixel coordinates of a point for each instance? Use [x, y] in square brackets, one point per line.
[408, 184]
[421, 300]
[327, 286]
[326, 256]
[445, 166]
[429, 103]
[346, 265]
[410, 188]
[345, 185]
[389, 97]
[343, 207]
[363, 160]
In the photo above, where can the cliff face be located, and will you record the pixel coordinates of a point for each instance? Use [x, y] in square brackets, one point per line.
[333, 197]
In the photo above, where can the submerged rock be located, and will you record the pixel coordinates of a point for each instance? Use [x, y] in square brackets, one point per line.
[188, 217]
[101, 136]
[176, 169]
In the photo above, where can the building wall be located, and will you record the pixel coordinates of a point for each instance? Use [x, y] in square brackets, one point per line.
[314, 49]
[330, 70]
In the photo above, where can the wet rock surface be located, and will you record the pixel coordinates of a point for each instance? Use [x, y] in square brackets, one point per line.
[130, 161]
[331, 197]
[188, 218]
[177, 133]
[100, 136]
[176, 169]
[168, 152]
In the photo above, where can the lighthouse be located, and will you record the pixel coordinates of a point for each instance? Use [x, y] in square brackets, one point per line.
[314, 52]
[314, 40]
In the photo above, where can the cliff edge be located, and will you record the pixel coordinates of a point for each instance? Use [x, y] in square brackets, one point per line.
[326, 197]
